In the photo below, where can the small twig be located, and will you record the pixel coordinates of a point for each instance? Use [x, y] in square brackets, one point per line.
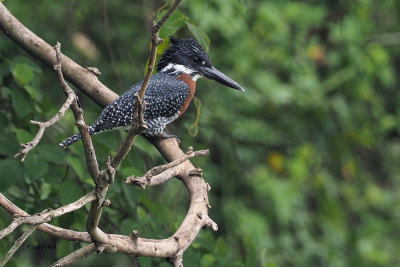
[76, 256]
[174, 6]
[44, 217]
[209, 223]
[45, 227]
[42, 127]
[155, 41]
[17, 244]
[90, 153]
[189, 154]
[138, 112]
[138, 126]
[163, 173]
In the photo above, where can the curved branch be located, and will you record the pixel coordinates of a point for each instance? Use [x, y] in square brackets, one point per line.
[164, 248]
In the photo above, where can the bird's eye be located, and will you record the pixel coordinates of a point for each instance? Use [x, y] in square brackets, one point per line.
[196, 59]
[203, 63]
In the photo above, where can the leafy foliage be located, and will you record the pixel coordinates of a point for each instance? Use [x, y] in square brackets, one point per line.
[303, 167]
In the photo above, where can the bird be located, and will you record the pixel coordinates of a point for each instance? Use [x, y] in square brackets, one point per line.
[168, 94]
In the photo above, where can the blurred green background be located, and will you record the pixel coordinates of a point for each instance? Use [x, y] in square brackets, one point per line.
[304, 166]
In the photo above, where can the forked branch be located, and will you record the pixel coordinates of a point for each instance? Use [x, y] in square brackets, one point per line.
[161, 174]
[42, 127]
[47, 215]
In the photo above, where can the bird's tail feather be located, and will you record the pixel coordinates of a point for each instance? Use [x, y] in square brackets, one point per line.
[69, 141]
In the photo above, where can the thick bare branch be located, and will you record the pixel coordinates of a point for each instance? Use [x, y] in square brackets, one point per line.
[164, 248]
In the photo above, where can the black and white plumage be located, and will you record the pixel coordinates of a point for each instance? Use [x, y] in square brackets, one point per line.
[168, 93]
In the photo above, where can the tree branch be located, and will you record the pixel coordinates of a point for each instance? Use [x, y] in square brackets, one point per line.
[45, 227]
[17, 244]
[90, 154]
[160, 174]
[83, 253]
[42, 127]
[138, 124]
[76, 256]
[46, 216]
[164, 248]
[155, 41]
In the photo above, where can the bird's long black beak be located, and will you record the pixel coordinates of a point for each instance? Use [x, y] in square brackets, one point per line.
[215, 74]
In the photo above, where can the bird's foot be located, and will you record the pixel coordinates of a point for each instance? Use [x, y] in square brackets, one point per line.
[163, 135]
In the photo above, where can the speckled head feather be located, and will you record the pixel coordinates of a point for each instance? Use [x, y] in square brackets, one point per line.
[186, 52]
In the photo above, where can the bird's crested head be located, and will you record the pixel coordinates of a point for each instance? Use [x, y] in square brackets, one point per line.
[187, 56]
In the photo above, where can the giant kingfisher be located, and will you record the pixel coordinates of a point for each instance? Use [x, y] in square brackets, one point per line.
[168, 93]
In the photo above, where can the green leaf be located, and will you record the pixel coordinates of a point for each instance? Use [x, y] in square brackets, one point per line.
[63, 248]
[34, 93]
[207, 260]
[173, 24]
[23, 136]
[22, 102]
[3, 120]
[8, 143]
[162, 47]
[12, 170]
[127, 226]
[69, 192]
[130, 195]
[45, 190]
[142, 215]
[23, 73]
[35, 167]
[199, 35]
[4, 70]
[51, 153]
[77, 166]
[220, 247]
